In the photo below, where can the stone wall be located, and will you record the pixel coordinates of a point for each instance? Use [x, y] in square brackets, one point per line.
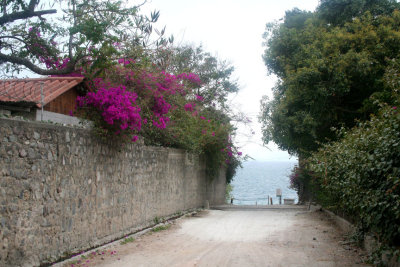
[63, 191]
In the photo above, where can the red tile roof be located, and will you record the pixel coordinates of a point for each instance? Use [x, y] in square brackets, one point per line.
[29, 90]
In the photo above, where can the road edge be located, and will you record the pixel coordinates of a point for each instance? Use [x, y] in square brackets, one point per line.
[164, 221]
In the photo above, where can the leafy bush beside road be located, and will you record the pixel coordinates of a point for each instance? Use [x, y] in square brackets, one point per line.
[360, 174]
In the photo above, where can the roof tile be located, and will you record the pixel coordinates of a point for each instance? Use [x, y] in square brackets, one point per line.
[29, 90]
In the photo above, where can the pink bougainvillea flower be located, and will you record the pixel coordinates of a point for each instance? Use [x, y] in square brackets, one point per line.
[199, 98]
[116, 105]
[203, 118]
[117, 44]
[239, 153]
[161, 123]
[160, 107]
[213, 133]
[189, 106]
[189, 77]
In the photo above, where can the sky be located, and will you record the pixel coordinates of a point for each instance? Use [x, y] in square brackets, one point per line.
[232, 30]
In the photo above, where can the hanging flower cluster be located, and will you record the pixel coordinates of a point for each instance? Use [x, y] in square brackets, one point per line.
[117, 106]
[160, 110]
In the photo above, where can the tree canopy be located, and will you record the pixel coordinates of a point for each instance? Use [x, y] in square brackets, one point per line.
[338, 12]
[216, 74]
[329, 70]
[82, 33]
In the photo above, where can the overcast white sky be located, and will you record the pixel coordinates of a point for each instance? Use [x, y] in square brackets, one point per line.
[232, 30]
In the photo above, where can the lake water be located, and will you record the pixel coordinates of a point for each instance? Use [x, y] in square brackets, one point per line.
[258, 180]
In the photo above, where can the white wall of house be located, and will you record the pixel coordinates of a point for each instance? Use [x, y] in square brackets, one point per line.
[59, 118]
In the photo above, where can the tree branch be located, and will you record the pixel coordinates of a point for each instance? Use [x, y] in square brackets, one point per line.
[24, 15]
[32, 5]
[4, 6]
[71, 36]
[33, 67]
[347, 110]
[13, 37]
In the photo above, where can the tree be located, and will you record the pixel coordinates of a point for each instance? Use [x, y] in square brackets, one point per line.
[326, 75]
[86, 35]
[215, 74]
[338, 12]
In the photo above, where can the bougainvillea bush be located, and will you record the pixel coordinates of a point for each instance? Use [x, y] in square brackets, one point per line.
[132, 99]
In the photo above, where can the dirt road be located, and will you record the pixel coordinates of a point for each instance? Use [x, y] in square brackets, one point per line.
[269, 237]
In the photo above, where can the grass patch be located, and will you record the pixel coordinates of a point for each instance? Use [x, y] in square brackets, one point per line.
[161, 228]
[127, 240]
[156, 220]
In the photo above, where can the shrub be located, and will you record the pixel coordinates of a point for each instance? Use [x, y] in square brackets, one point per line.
[302, 181]
[360, 174]
[161, 107]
